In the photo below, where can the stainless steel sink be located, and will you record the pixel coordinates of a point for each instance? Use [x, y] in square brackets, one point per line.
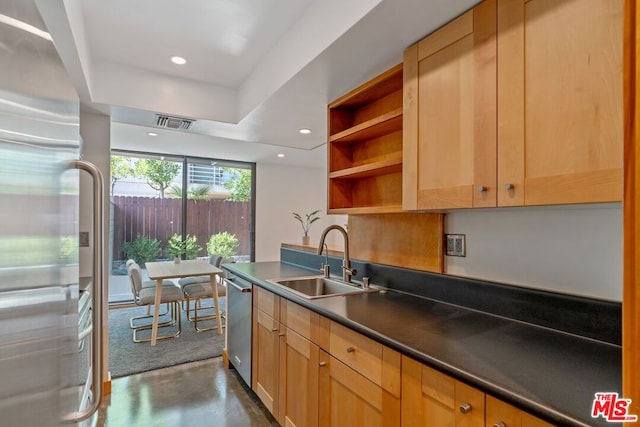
[319, 287]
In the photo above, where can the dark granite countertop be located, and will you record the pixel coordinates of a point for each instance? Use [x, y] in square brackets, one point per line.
[550, 374]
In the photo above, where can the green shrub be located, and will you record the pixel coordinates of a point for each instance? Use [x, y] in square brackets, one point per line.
[142, 249]
[225, 244]
[176, 247]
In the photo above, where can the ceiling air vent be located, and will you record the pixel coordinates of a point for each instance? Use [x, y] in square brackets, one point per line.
[172, 122]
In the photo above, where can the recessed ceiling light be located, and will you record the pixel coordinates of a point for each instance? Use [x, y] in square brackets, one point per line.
[178, 60]
[305, 131]
[280, 155]
[152, 134]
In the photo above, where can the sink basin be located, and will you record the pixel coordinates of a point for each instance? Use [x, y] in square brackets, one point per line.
[318, 287]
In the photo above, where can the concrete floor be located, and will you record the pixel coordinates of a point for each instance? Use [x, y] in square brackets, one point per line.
[195, 394]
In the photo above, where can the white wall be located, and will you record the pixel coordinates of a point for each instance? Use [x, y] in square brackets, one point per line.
[95, 148]
[570, 249]
[282, 190]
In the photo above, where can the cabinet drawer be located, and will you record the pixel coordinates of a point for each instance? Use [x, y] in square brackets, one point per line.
[376, 362]
[300, 320]
[266, 302]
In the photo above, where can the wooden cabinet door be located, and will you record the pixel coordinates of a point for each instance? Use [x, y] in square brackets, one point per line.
[531, 421]
[347, 399]
[427, 396]
[560, 130]
[450, 115]
[469, 406]
[266, 359]
[299, 381]
[498, 412]
[433, 399]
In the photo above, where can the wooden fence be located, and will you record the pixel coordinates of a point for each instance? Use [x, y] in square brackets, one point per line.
[159, 219]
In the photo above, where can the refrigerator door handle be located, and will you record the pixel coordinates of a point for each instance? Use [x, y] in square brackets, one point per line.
[97, 369]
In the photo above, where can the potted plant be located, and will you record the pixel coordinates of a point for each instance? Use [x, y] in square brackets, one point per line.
[309, 219]
[176, 247]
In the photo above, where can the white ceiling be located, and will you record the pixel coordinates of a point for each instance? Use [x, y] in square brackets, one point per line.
[257, 70]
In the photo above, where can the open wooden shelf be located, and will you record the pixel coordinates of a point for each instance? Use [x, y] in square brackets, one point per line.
[367, 210]
[391, 165]
[365, 147]
[378, 126]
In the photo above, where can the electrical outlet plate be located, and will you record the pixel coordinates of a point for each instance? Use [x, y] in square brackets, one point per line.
[83, 239]
[456, 245]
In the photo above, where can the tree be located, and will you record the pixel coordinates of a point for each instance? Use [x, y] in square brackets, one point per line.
[200, 192]
[239, 184]
[121, 167]
[158, 173]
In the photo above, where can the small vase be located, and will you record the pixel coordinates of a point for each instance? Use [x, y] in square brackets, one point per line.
[305, 240]
[176, 260]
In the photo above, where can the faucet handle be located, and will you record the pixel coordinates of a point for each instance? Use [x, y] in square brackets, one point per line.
[325, 270]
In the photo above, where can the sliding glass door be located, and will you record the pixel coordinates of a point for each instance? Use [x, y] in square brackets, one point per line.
[219, 213]
[158, 200]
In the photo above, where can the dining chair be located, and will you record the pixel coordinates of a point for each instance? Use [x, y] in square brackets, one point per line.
[146, 284]
[196, 289]
[172, 295]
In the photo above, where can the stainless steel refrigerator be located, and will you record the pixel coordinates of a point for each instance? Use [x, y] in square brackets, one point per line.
[47, 314]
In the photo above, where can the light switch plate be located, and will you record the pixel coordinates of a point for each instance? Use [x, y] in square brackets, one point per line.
[456, 245]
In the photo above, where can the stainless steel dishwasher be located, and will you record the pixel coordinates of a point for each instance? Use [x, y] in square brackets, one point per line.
[239, 325]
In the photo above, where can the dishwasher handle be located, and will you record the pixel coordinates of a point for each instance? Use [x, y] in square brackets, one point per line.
[238, 287]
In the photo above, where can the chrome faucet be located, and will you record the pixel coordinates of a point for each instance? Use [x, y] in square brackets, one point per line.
[347, 271]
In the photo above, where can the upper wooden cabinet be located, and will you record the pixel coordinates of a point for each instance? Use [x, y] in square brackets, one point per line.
[365, 147]
[560, 131]
[516, 103]
[450, 114]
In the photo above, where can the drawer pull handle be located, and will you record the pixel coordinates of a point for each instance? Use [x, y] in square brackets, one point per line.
[281, 334]
[465, 408]
[322, 363]
[508, 186]
[274, 329]
[351, 350]
[500, 424]
[481, 188]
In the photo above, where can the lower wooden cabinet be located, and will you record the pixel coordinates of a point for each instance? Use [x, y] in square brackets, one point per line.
[310, 371]
[266, 359]
[299, 367]
[349, 399]
[431, 398]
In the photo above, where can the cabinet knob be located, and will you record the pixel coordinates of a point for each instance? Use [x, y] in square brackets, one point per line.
[500, 424]
[465, 408]
[481, 188]
[508, 186]
[322, 364]
[351, 349]
[274, 329]
[281, 334]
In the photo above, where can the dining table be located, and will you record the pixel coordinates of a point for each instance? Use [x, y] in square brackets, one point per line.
[161, 270]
